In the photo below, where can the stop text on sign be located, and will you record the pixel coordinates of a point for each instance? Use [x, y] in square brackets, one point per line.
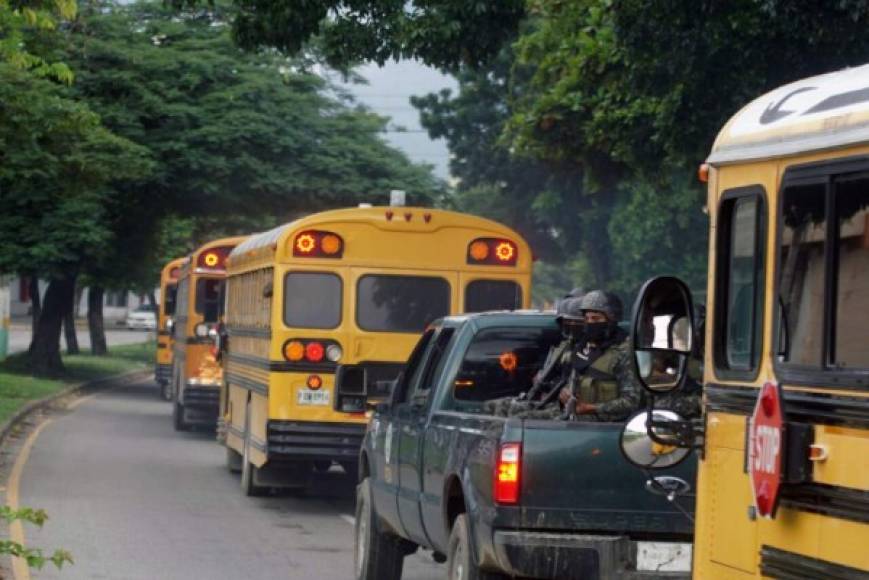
[767, 443]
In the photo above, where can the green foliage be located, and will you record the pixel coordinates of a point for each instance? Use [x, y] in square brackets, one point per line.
[56, 164]
[240, 140]
[441, 33]
[17, 18]
[34, 557]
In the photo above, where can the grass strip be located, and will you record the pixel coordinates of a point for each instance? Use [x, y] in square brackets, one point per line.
[18, 387]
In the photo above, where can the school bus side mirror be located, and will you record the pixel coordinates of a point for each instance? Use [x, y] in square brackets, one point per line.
[654, 440]
[662, 334]
[170, 325]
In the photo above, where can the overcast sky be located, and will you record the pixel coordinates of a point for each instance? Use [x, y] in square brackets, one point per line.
[388, 93]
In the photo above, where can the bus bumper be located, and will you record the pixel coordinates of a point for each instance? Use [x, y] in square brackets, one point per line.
[162, 373]
[589, 557]
[201, 403]
[297, 440]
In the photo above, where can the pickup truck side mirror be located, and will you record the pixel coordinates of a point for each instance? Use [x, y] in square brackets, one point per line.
[662, 336]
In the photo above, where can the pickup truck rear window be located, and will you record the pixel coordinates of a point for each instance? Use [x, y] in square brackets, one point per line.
[501, 362]
[400, 303]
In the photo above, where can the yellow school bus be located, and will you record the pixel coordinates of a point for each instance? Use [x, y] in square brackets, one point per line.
[168, 293]
[342, 297]
[787, 334]
[196, 374]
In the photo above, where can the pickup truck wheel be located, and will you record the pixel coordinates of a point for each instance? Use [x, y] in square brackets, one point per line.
[376, 555]
[461, 563]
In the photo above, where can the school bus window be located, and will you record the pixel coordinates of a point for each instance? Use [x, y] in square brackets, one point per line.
[852, 282]
[312, 300]
[741, 274]
[483, 295]
[170, 298]
[208, 293]
[802, 264]
[400, 303]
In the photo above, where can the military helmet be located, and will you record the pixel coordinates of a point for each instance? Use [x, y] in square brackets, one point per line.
[603, 301]
[569, 309]
[577, 292]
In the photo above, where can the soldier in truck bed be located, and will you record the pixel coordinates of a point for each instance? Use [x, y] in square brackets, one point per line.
[596, 372]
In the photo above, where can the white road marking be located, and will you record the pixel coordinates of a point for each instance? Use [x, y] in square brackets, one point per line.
[349, 519]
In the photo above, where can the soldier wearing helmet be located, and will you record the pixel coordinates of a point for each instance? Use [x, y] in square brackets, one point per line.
[603, 386]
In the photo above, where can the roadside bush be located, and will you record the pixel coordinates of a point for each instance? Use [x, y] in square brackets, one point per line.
[34, 557]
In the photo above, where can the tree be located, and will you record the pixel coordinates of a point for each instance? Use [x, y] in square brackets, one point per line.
[239, 140]
[17, 18]
[441, 33]
[56, 162]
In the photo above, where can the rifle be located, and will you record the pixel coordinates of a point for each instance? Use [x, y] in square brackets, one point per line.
[553, 359]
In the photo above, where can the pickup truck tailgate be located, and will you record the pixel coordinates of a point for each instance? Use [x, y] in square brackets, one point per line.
[574, 477]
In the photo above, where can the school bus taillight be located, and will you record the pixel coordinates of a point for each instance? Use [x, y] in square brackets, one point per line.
[294, 350]
[314, 351]
[507, 470]
[493, 251]
[318, 244]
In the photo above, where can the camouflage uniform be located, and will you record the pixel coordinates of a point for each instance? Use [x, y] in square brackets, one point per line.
[687, 401]
[610, 383]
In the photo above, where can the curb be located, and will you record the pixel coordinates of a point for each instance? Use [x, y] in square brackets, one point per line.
[40, 404]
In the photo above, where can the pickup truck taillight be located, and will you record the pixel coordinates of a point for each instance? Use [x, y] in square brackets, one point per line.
[507, 471]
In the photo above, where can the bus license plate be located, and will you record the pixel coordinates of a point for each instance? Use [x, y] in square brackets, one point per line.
[309, 397]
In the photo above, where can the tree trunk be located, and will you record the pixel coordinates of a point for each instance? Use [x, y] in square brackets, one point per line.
[96, 326]
[35, 304]
[69, 332]
[45, 348]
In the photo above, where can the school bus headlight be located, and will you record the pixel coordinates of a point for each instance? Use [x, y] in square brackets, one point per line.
[201, 330]
[334, 352]
[294, 350]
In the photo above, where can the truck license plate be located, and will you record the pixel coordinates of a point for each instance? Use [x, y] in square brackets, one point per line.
[664, 556]
[309, 397]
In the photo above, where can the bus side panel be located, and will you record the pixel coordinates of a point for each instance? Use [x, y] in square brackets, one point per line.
[724, 533]
[235, 417]
[258, 422]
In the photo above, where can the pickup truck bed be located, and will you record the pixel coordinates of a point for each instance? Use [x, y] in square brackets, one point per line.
[431, 458]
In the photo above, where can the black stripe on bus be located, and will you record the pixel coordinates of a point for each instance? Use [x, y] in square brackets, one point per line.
[843, 503]
[282, 366]
[247, 383]
[814, 408]
[249, 331]
[784, 565]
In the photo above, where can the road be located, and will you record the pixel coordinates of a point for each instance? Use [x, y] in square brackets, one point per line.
[19, 338]
[132, 499]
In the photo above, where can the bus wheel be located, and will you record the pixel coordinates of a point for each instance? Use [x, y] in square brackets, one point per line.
[165, 391]
[376, 554]
[233, 460]
[248, 469]
[178, 417]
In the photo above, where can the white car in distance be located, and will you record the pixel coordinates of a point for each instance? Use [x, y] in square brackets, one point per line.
[144, 317]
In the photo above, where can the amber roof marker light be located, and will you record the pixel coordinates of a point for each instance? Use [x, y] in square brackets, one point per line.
[318, 244]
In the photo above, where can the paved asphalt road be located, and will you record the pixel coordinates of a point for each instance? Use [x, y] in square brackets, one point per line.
[19, 338]
[133, 499]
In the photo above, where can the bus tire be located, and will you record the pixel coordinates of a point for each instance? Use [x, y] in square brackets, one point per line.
[233, 460]
[178, 417]
[461, 563]
[165, 391]
[377, 555]
[248, 469]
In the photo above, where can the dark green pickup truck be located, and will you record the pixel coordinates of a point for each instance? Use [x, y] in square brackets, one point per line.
[502, 497]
